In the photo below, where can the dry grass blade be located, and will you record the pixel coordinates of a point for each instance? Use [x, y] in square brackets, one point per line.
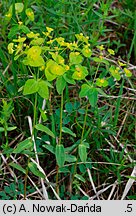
[45, 194]
[129, 183]
[10, 170]
[112, 190]
[92, 182]
[38, 165]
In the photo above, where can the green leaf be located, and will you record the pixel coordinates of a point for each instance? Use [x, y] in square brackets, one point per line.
[82, 151]
[70, 158]
[31, 86]
[43, 128]
[13, 31]
[68, 131]
[71, 148]
[58, 58]
[127, 72]
[34, 57]
[2, 129]
[30, 14]
[93, 96]
[48, 84]
[102, 92]
[11, 128]
[50, 148]
[84, 90]
[54, 68]
[86, 52]
[24, 29]
[60, 155]
[63, 170]
[60, 84]
[49, 76]
[26, 144]
[79, 177]
[69, 107]
[80, 72]
[101, 82]
[43, 90]
[68, 77]
[115, 72]
[36, 61]
[17, 166]
[99, 60]
[37, 41]
[19, 7]
[35, 170]
[75, 58]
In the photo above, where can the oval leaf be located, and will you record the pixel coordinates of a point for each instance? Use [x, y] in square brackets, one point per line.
[31, 86]
[43, 90]
[84, 90]
[82, 151]
[93, 96]
[60, 155]
[60, 84]
[1, 129]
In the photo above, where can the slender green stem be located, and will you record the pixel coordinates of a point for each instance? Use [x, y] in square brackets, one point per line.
[61, 113]
[84, 123]
[59, 143]
[35, 113]
[34, 123]
[82, 136]
[96, 72]
[52, 118]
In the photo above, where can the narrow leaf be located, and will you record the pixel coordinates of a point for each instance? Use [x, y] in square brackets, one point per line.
[79, 177]
[70, 158]
[34, 169]
[68, 131]
[11, 128]
[43, 128]
[18, 167]
[26, 144]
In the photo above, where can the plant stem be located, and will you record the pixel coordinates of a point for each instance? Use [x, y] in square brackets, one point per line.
[61, 113]
[35, 114]
[82, 136]
[84, 123]
[59, 143]
[52, 119]
[34, 123]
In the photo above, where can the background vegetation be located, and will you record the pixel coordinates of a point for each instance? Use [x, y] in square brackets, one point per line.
[95, 133]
